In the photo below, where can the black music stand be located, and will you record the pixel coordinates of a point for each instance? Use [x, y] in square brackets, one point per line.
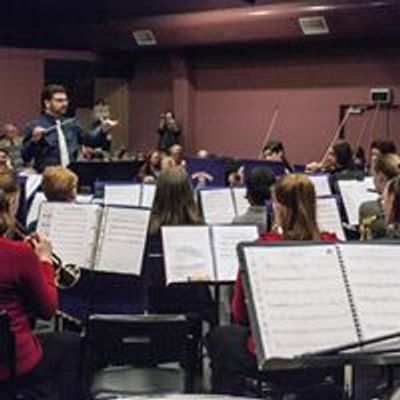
[91, 172]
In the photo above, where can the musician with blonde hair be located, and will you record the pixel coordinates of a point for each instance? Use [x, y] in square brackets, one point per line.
[371, 214]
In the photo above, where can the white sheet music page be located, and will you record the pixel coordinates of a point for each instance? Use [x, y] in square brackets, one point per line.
[241, 202]
[374, 275]
[72, 229]
[217, 206]
[122, 195]
[148, 195]
[187, 253]
[122, 240]
[300, 299]
[369, 183]
[328, 217]
[354, 193]
[321, 183]
[226, 239]
[84, 198]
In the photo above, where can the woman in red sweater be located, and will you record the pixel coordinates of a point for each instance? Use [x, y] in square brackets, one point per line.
[231, 348]
[27, 289]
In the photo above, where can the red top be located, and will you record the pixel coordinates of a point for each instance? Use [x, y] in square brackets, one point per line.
[26, 289]
[239, 308]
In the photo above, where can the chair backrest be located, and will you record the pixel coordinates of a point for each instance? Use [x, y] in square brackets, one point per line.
[138, 339]
[7, 344]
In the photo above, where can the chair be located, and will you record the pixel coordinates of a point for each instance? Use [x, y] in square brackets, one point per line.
[7, 354]
[136, 346]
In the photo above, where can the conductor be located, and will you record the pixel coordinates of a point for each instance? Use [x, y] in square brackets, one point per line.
[52, 139]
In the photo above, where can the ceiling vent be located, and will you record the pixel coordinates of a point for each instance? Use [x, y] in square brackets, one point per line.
[144, 38]
[314, 26]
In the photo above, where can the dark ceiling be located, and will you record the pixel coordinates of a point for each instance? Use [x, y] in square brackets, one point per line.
[107, 25]
[24, 23]
[18, 12]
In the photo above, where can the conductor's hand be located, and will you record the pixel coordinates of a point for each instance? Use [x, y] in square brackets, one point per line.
[41, 245]
[38, 133]
[108, 124]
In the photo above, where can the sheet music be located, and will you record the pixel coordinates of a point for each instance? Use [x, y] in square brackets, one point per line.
[354, 193]
[369, 183]
[32, 185]
[328, 217]
[148, 195]
[187, 253]
[72, 229]
[84, 198]
[374, 275]
[321, 183]
[226, 239]
[241, 202]
[122, 195]
[33, 213]
[300, 299]
[122, 240]
[217, 206]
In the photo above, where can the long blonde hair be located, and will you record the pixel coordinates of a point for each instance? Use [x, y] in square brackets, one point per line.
[8, 190]
[296, 193]
[174, 201]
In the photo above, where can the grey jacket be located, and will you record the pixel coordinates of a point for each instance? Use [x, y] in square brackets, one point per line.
[255, 215]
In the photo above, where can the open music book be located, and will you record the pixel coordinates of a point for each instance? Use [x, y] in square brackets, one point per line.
[206, 253]
[354, 193]
[110, 239]
[321, 184]
[328, 216]
[131, 195]
[310, 297]
[221, 206]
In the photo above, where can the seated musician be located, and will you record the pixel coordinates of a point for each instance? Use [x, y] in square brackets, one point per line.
[177, 154]
[152, 168]
[59, 184]
[391, 206]
[380, 148]
[371, 215]
[338, 162]
[258, 185]
[46, 368]
[232, 348]
[275, 151]
[173, 205]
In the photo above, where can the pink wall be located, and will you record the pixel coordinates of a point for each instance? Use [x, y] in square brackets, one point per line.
[21, 81]
[150, 95]
[233, 96]
[236, 97]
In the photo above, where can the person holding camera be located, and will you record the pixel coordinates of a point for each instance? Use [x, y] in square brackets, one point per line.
[169, 131]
